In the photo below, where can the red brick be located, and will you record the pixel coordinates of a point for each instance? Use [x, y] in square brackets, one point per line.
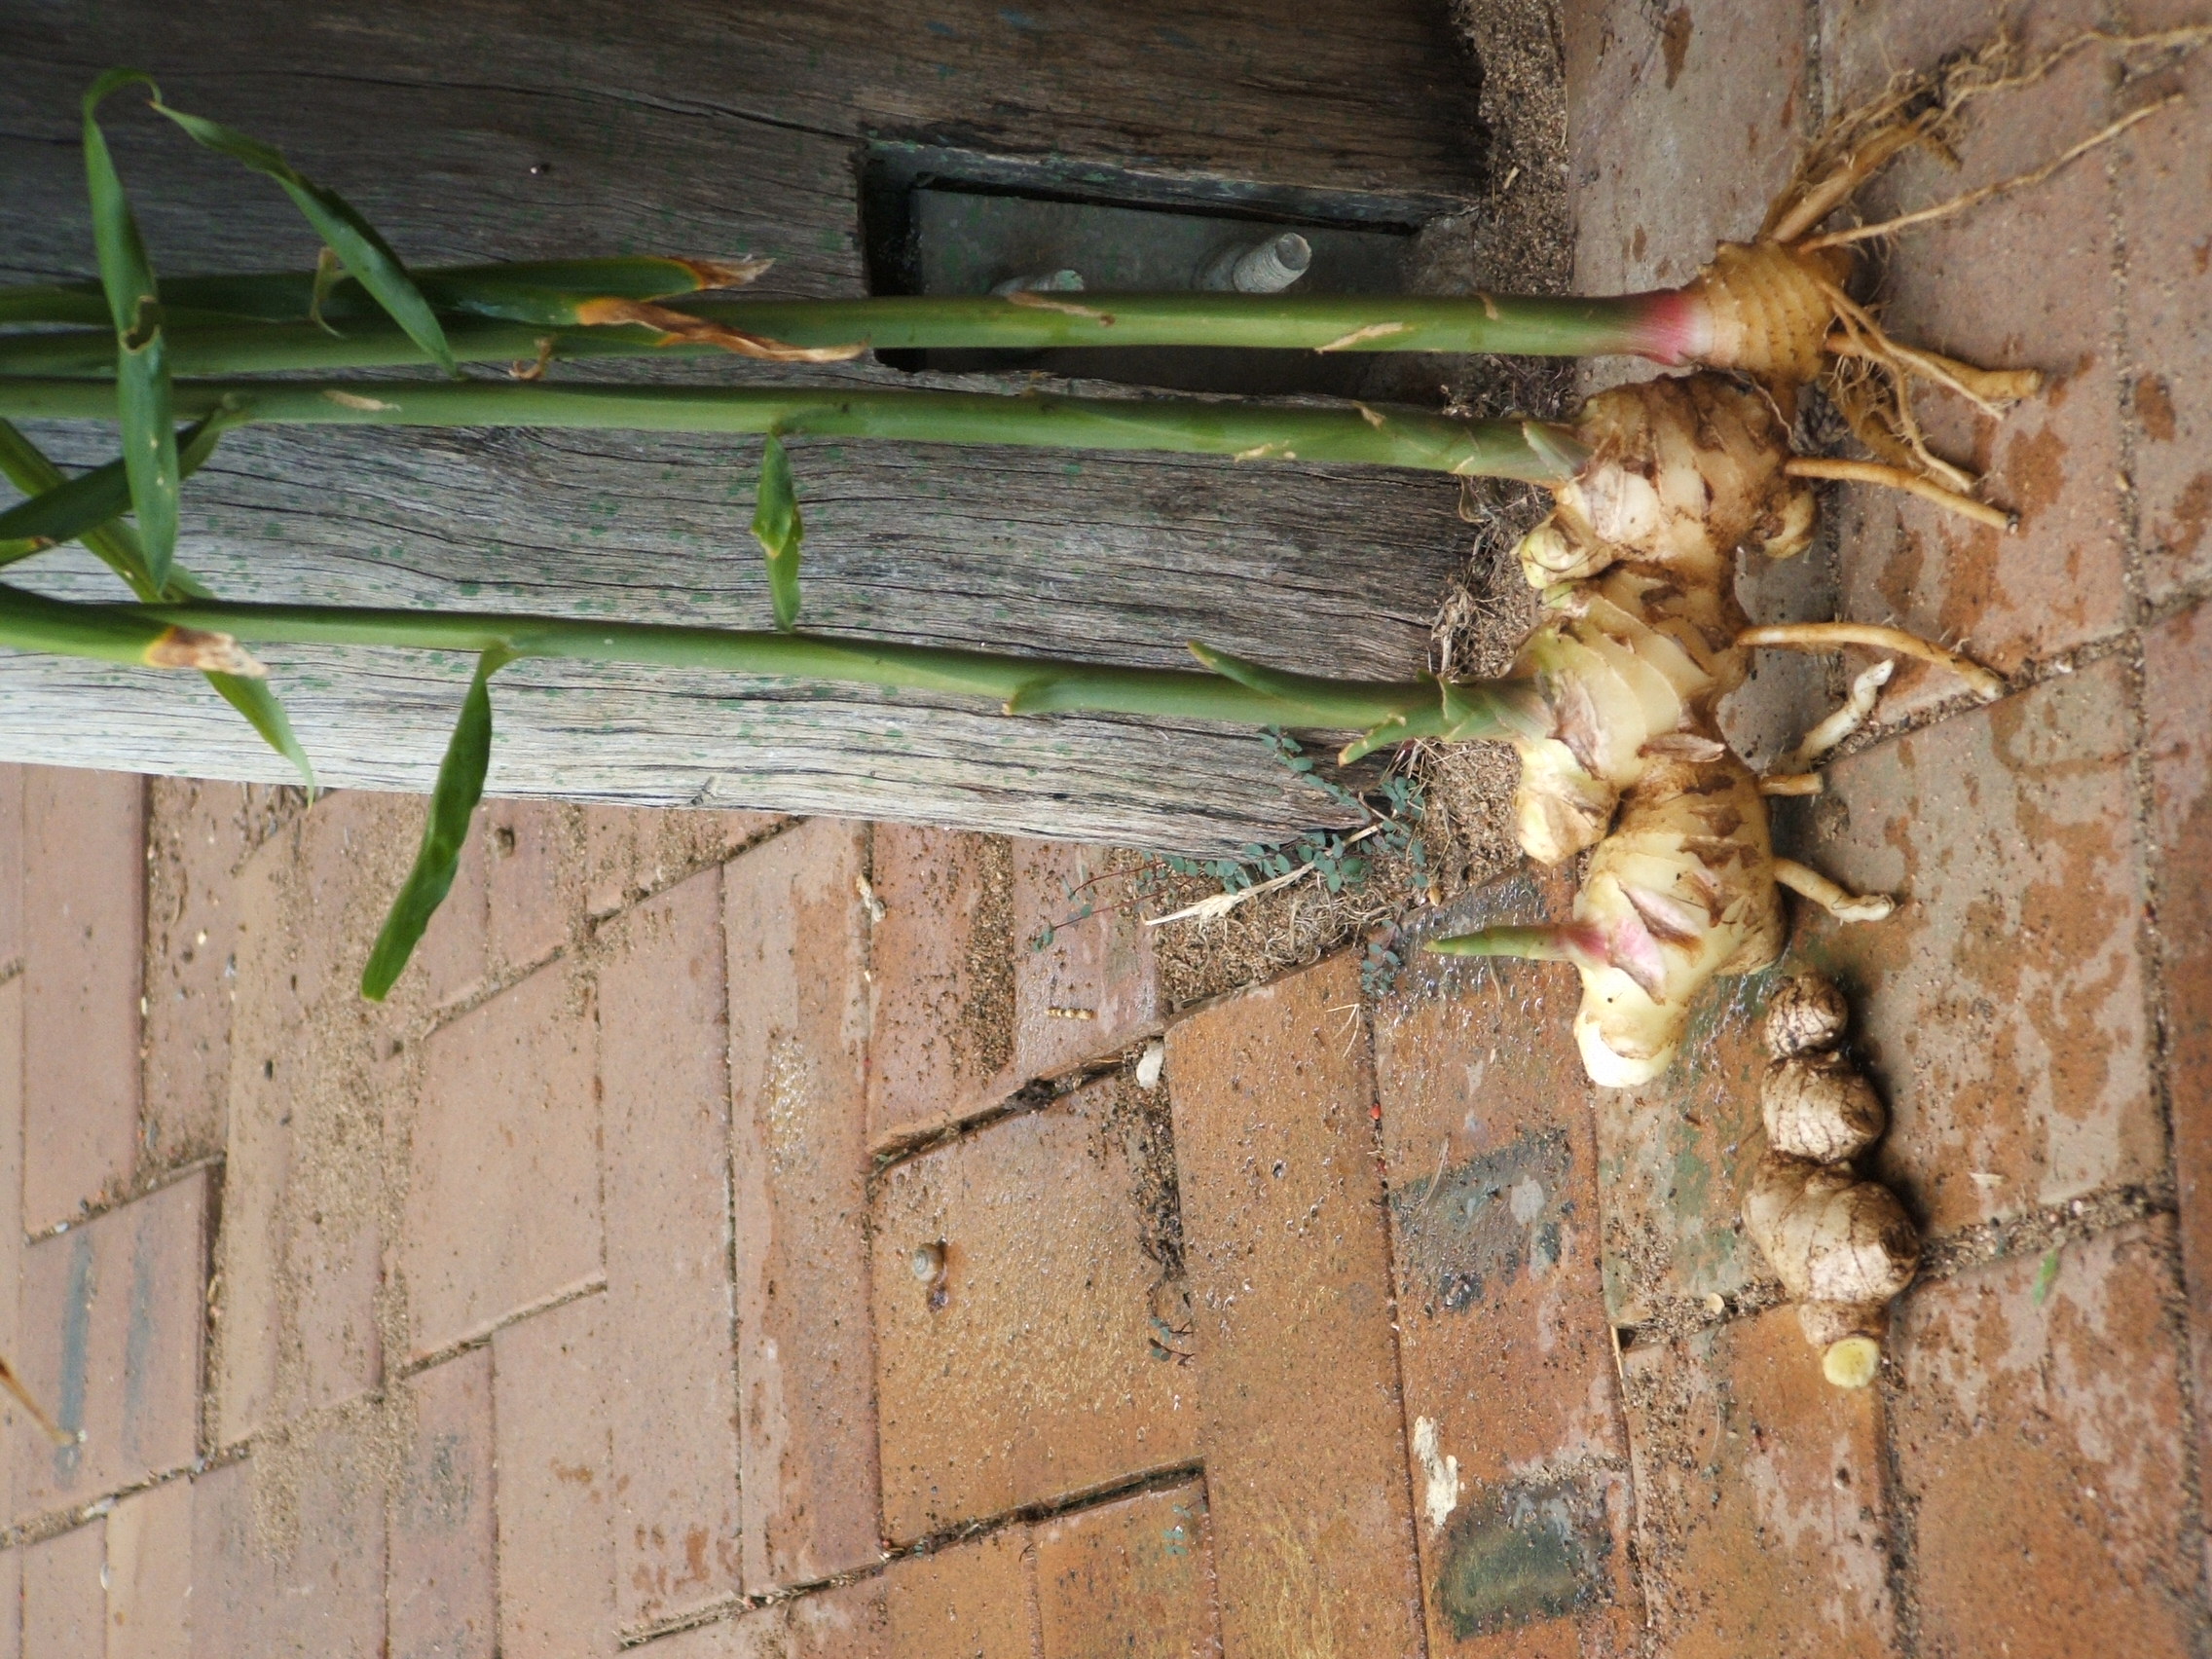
[1678, 1152]
[798, 1074]
[1683, 123]
[944, 978]
[535, 883]
[629, 850]
[83, 954]
[556, 1494]
[2040, 1441]
[2001, 1008]
[968, 1600]
[149, 1574]
[1290, 1283]
[1505, 1349]
[1129, 1580]
[516, 897]
[503, 1200]
[849, 1621]
[2166, 213]
[288, 1547]
[2177, 694]
[110, 1343]
[2010, 284]
[845, 1621]
[1067, 963]
[451, 965]
[65, 1609]
[763, 1632]
[316, 1076]
[11, 867]
[1039, 1375]
[665, 1096]
[1760, 1517]
[442, 1536]
[10, 1162]
[197, 835]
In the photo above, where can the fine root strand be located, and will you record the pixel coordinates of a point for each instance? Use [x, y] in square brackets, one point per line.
[1898, 478]
[1988, 191]
[1857, 707]
[1837, 901]
[1828, 635]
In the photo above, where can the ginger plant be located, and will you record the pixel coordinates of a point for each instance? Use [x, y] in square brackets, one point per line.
[1613, 699]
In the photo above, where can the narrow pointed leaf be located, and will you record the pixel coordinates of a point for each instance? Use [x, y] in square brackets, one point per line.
[117, 545]
[452, 803]
[141, 358]
[368, 259]
[253, 699]
[776, 522]
[115, 542]
[67, 510]
[543, 292]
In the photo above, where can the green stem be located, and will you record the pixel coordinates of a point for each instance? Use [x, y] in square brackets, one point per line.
[1171, 693]
[1021, 684]
[1543, 942]
[1531, 450]
[1643, 324]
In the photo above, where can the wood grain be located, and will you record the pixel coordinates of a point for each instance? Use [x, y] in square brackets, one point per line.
[702, 129]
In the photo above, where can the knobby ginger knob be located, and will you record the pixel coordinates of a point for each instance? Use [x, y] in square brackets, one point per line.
[1806, 1015]
[1819, 1107]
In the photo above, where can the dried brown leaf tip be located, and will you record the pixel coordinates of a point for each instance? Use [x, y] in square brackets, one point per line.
[209, 653]
[675, 326]
[726, 272]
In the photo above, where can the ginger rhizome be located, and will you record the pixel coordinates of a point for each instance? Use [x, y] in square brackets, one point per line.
[1625, 754]
[1842, 1245]
[1622, 755]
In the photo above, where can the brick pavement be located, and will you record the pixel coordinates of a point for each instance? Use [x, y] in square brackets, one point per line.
[746, 1237]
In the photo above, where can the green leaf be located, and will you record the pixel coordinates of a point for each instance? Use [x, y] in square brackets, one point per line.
[65, 511]
[452, 803]
[776, 522]
[117, 545]
[253, 699]
[141, 358]
[545, 291]
[368, 259]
